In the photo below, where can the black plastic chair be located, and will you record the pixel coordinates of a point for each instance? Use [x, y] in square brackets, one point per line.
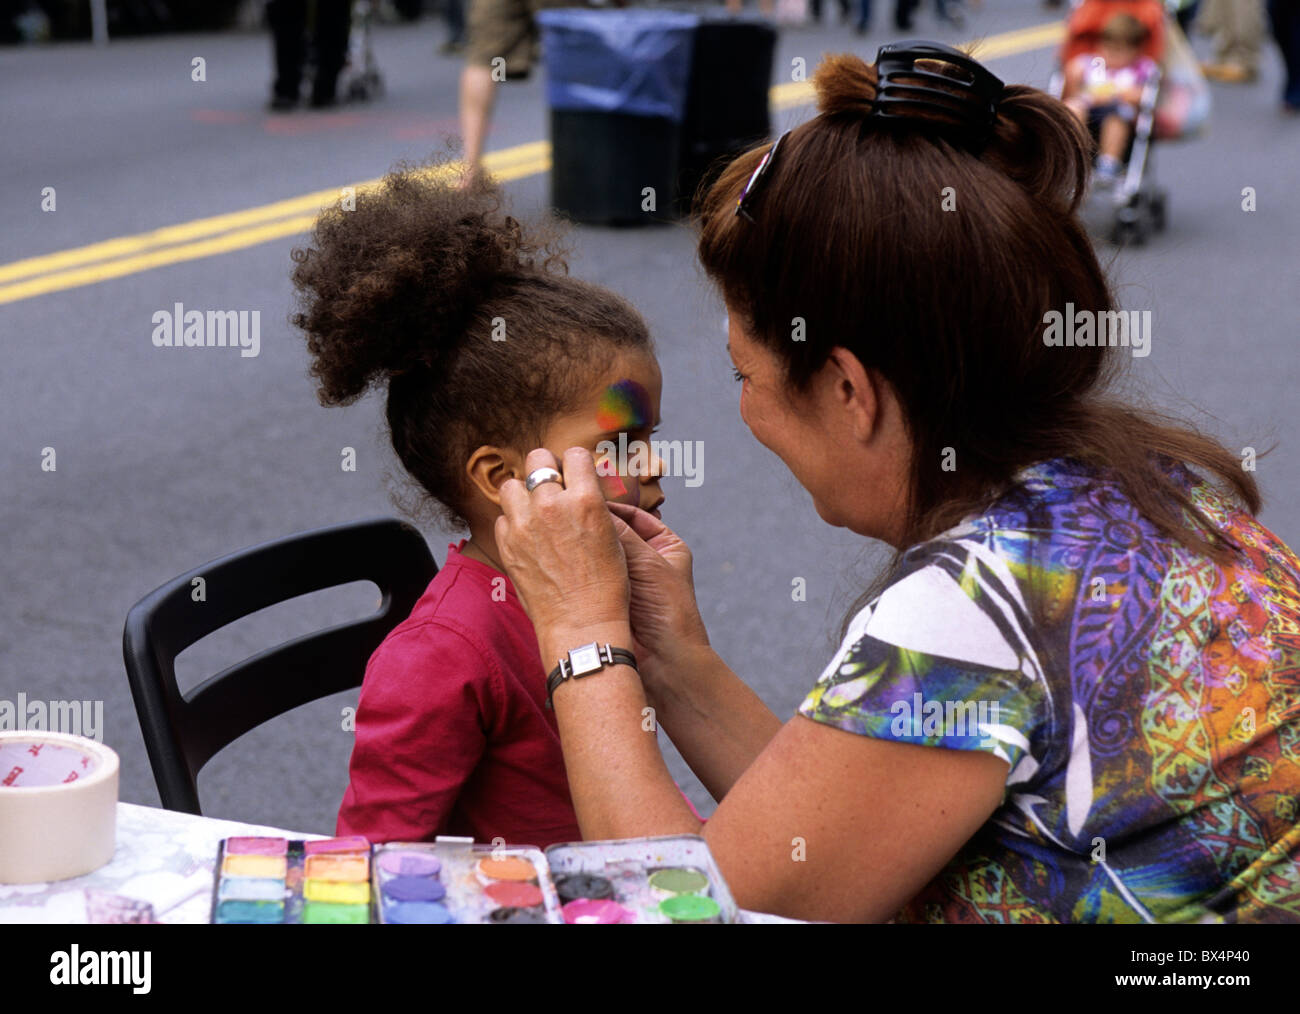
[182, 732]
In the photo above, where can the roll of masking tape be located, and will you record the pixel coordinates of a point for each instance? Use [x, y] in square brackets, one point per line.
[58, 806]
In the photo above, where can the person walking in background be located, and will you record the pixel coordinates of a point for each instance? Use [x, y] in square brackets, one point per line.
[846, 9]
[455, 27]
[288, 21]
[864, 17]
[1185, 12]
[504, 30]
[1284, 15]
[767, 8]
[950, 11]
[1238, 30]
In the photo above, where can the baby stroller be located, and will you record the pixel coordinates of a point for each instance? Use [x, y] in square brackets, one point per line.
[360, 79]
[1174, 104]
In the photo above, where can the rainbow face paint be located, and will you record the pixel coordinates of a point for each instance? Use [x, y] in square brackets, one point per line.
[624, 406]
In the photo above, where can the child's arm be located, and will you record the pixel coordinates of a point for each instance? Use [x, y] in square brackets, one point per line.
[419, 735]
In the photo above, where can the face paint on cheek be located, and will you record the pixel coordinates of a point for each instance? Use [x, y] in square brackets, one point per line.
[611, 483]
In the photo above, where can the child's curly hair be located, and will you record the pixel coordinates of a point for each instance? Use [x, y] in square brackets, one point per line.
[468, 319]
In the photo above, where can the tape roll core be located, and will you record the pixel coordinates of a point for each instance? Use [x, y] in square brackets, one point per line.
[58, 806]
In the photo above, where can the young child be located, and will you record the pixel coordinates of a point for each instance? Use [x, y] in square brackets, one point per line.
[1104, 89]
[486, 349]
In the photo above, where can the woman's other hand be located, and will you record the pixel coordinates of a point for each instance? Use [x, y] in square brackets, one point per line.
[665, 617]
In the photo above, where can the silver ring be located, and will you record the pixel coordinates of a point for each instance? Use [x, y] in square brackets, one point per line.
[540, 475]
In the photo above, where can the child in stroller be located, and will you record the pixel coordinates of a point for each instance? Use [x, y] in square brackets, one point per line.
[1111, 77]
[1104, 89]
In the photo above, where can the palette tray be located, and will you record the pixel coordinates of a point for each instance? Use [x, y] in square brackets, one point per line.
[446, 882]
[280, 880]
[671, 879]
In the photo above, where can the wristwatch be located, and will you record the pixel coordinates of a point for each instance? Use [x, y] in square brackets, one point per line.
[584, 661]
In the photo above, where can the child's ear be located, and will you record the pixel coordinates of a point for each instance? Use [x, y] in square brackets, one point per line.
[490, 466]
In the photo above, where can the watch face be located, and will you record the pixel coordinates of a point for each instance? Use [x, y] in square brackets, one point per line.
[585, 659]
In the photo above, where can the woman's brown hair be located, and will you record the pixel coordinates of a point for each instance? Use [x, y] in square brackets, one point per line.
[466, 317]
[936, 267]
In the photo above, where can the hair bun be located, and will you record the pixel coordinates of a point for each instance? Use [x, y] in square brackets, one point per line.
[391, 285]
[845, 83]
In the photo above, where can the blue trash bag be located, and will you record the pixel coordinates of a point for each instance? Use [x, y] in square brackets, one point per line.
[618, 61]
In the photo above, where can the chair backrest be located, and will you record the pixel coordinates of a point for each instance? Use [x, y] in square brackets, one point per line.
[183, 732]
[1083, 28]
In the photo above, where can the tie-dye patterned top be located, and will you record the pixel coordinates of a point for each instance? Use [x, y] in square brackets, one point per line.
[1146, 700]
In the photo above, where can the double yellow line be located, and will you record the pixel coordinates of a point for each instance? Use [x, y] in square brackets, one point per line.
[206, 237]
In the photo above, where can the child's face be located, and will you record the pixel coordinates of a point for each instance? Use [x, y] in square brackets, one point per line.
[1117, 54]
[625, 400]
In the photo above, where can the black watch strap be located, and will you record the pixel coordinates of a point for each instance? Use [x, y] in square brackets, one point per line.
[607, 656]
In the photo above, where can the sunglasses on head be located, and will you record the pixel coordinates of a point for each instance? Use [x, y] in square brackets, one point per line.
[746, 199]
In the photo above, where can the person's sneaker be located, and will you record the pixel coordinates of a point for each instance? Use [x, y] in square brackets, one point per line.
[282, 104]
[1227, 73]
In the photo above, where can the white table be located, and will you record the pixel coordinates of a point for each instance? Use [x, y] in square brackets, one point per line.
[164, 858]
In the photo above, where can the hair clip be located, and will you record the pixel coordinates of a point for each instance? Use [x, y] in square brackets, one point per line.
[968, 100]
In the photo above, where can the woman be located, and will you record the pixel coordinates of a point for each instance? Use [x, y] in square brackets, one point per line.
[1077, 695]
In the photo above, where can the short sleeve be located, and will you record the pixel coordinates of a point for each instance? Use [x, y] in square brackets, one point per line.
[943, 657]
[420, 733]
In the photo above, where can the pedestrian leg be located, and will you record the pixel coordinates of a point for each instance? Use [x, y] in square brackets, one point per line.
[1284, 16]
[333, 22]
[288, 21]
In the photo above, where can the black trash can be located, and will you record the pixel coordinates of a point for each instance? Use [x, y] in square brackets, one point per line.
[616, 82]
[727, 100]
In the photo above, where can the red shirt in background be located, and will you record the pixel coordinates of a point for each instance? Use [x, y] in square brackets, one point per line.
[453, 735]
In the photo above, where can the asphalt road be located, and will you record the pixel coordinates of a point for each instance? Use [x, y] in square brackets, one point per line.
[169, 458]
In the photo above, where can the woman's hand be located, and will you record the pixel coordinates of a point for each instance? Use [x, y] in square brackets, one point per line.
[559, 546]
[664, 614]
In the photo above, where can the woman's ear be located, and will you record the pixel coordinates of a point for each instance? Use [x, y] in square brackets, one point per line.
[490, 466]
[855, 391]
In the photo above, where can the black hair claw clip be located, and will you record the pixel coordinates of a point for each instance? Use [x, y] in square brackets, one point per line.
[965, 98]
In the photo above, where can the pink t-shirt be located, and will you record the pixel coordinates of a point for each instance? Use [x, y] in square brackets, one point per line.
[453, 735]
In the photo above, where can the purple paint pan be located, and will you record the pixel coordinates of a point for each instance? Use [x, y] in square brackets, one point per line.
[410, 864]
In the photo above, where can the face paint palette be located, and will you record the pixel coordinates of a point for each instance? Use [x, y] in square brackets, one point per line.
[278, 880]
[448, 882]
[671, 879]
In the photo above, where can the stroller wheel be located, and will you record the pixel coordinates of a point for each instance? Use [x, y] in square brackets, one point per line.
[1128, 233]
[1158, 220]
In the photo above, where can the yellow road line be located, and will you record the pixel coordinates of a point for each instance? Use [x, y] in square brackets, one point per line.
[206, 237]
[225, 243]
[498, 163]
